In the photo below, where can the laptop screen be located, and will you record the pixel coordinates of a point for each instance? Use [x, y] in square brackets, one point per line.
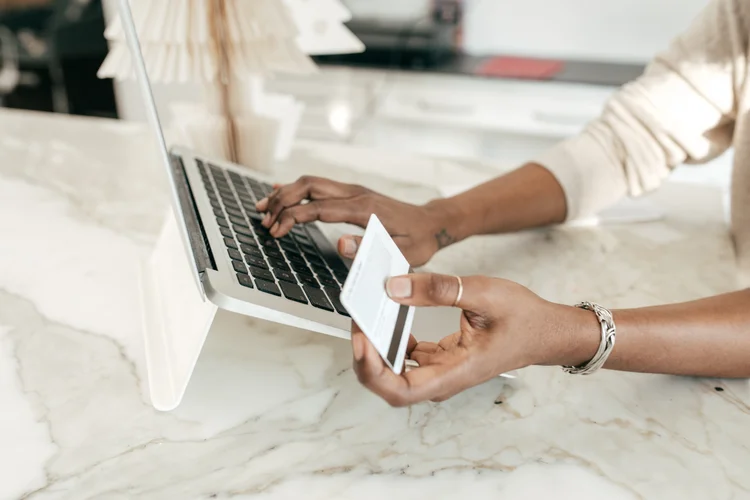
[144, 84]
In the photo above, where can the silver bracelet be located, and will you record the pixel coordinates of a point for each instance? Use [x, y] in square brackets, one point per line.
[605, 346]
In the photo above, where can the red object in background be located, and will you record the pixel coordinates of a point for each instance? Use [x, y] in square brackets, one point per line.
[519, 67]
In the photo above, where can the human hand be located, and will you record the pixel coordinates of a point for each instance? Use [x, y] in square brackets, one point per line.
[416, 229]
[504, 326]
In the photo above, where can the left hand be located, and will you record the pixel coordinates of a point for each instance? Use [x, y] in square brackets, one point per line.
[504, 327]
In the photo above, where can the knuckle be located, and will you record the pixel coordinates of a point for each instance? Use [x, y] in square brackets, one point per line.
[360, 190]
[396, 400]
[307, 180]
[439, 287]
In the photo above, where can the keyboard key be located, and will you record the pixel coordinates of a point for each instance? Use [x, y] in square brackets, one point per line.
[278, 263]
[302, 240]
[231, 204]
[314, 260]
[239, 267]
[333, 295]
[293, 292]
[322, 273]
[235, 213]
[222, 222]
[259, 273]
[218, 212]
[301, 268]
[329, 283]
[284, 276]
[216, 204]
[255, 217]
[255, 261]
[251, 250]
[226, 232]
[308, 280]
[245, 196]
[247, 240]
[236, 220]
[341, 275]
[266, 187]
[317, 298]
[308, 248]
[235, 254]
[242, 229]
[268, 287]
[289, 248]
[271, 251]
[230, 243]
[245, 280]
[269, 244]
[293, 257]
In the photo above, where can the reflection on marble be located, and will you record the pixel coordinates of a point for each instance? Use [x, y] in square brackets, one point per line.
[274, 412]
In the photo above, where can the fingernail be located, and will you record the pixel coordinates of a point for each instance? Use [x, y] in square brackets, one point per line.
[398, 288]
[275, 227]
[350, 248]
[261, 203]
[266, 219]
[357, 347]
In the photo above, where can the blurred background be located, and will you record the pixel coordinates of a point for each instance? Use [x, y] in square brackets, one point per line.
[490, 79]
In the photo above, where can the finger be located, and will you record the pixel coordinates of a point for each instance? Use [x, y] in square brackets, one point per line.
[420, 384]
[435, 290]
[358, 346]
[428, 347]
[411, 345]
[331, 210]
[348, 246]
[312, 188]
[422, 358]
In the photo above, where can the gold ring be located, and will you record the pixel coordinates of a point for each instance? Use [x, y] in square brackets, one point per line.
[460, 291]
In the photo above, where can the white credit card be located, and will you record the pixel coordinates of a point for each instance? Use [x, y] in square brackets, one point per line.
[385, 323]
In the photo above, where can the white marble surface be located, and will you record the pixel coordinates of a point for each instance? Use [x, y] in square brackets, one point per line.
[277, 413]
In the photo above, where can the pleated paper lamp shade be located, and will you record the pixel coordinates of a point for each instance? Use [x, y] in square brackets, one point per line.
[177, 45]
[238, 120]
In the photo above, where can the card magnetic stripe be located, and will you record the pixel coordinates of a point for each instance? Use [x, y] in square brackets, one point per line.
[398, 334]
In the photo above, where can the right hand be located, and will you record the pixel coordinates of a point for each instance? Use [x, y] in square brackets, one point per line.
[415, 229]
[504, 327]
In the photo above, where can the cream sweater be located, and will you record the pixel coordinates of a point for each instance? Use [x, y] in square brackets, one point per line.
[691, 104]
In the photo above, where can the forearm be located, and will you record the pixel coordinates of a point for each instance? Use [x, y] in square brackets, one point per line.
[527, 197]
[708, 337]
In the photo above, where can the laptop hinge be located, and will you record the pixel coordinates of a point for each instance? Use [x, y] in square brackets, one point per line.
[199, 245]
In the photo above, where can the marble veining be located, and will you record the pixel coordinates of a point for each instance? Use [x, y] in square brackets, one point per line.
[274, 412]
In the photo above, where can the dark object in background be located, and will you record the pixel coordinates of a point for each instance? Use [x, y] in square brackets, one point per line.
[421, 43]
[61, 46]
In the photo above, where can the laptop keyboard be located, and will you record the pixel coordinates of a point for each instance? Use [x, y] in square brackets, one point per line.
[291, 266]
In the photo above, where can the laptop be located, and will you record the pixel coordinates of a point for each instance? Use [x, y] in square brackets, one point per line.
[236, 264]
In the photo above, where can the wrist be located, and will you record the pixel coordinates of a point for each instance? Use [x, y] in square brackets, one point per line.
[447, 222]
[575, 338]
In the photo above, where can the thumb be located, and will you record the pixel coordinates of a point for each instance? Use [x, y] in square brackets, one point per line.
[435, 290]
[348, 245]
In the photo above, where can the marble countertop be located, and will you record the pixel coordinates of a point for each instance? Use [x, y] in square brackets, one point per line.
[274, 412]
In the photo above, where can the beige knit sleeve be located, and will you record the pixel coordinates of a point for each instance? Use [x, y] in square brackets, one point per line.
[681, 110]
